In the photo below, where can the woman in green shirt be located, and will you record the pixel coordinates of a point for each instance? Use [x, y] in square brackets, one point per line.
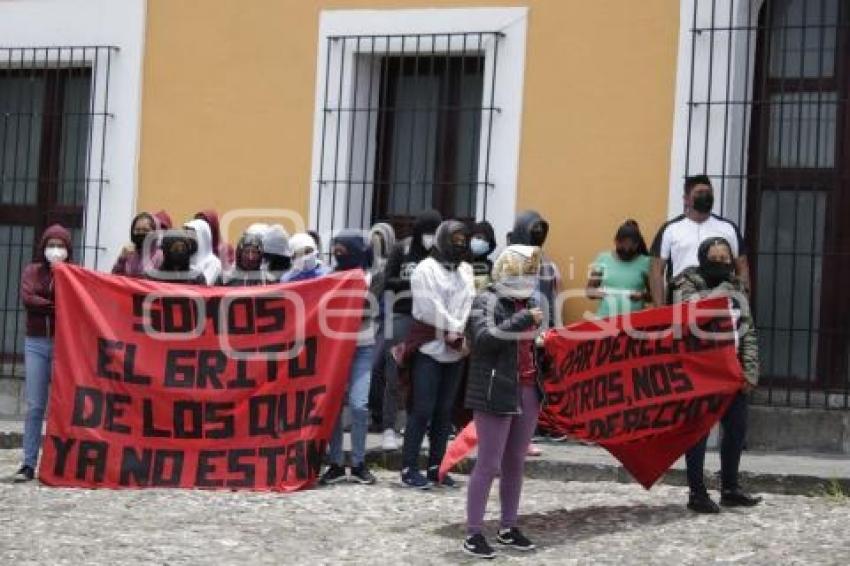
[619, 279]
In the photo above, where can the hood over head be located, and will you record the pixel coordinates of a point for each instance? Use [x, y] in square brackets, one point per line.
[387, 234]
[211, 217]
[355, 245]
[203, 236]
[515, 271]
[445, 250]
[58, 232]
[163, 220]
[486, 229]
[249, 240]
[530, 229]
[426, 223]
[276, 240]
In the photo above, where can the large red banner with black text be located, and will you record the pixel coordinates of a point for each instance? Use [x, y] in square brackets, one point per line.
[166, 385]
[645, 386]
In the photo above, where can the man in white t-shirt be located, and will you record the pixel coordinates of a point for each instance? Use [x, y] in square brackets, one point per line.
[676, 244]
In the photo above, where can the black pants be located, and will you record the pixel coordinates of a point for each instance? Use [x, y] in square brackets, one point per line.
[435, 386]
[734, 431]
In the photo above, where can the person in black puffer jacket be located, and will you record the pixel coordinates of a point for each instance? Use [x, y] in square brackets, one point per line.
[503, 391]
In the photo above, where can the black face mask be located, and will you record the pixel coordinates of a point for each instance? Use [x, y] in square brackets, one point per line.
[138, 240]
[178, 260]
[538, 235]
[704, 202]
[716, 272]
[627, 254]
[277, 263]
[193, 246]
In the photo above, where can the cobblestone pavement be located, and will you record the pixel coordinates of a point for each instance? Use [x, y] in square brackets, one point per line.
[573, 523]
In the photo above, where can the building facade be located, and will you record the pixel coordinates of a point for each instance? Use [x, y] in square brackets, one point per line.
[338, 113]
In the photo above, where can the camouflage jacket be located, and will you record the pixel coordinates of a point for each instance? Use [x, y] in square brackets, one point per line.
[690, 285]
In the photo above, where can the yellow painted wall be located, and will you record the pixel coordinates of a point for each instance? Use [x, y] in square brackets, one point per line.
[228, 99]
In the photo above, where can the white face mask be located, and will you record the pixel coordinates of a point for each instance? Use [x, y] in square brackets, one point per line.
[305, 262]
[479, 246]
[518, 286]
[428, 241]
[54, 254]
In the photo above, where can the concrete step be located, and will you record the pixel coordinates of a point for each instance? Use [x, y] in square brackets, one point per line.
[788, 473]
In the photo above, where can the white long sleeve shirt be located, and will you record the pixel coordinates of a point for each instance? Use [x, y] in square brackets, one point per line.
[443, 299]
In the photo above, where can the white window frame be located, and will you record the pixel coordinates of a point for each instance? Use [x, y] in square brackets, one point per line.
[504, 139]
[733, 205]
[44, 23]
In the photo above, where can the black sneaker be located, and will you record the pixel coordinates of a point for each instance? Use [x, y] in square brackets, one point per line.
[702, 503]
[25, 474]
[737, 498]
[434, 478]
[476, 545]
[361, 474]
[334, 474]
[515, 539]
[412, 478]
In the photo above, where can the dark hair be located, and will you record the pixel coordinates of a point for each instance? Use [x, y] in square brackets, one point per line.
[693, 181]
[630, 229]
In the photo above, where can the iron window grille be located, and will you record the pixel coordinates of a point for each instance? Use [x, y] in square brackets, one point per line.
[406, 125]
[767, 120]
[54, 116]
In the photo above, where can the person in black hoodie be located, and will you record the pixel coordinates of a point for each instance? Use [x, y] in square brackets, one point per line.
[403, 259]
[177, 249]
[482, 244]
[530, 229]
[248, 270]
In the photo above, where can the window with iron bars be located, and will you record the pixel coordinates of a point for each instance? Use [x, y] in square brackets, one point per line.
[767, 120]
[406, 126]
[54, 110]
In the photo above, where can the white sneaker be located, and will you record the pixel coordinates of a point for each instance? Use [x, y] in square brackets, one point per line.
[389, 442]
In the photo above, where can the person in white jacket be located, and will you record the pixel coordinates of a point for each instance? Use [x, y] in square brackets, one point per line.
[443, 290]
[203, 259]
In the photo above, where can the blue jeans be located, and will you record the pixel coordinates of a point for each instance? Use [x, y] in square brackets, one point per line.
[358, 404]
[38, 362]
[435, 387]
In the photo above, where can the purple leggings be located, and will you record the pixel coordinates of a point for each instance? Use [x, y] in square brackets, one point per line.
[502, 448]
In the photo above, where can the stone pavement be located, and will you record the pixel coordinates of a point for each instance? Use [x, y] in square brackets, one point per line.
[572, 522]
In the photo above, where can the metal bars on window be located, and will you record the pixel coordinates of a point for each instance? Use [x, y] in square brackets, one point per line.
[768, 122]
[406, 126]
[54, 117]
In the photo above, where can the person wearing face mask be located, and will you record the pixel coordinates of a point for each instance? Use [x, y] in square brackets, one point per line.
[504, 391]
[350, 252]
[176, 247]
[219, 247]
[482, 244]
[248, 271]
[38, 298]
[715, 276]
[675, 246]
[136, 257]
[619, 279]
[531, 229]
[305, 259]
[443, 289]
[276, 254]
[203, 258]
[402, 261]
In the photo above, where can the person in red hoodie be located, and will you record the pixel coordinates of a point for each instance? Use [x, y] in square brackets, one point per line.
[37, 296]
[222, 249]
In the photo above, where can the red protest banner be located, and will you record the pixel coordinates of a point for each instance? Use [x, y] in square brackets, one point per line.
[164, 385]
[646, 386]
